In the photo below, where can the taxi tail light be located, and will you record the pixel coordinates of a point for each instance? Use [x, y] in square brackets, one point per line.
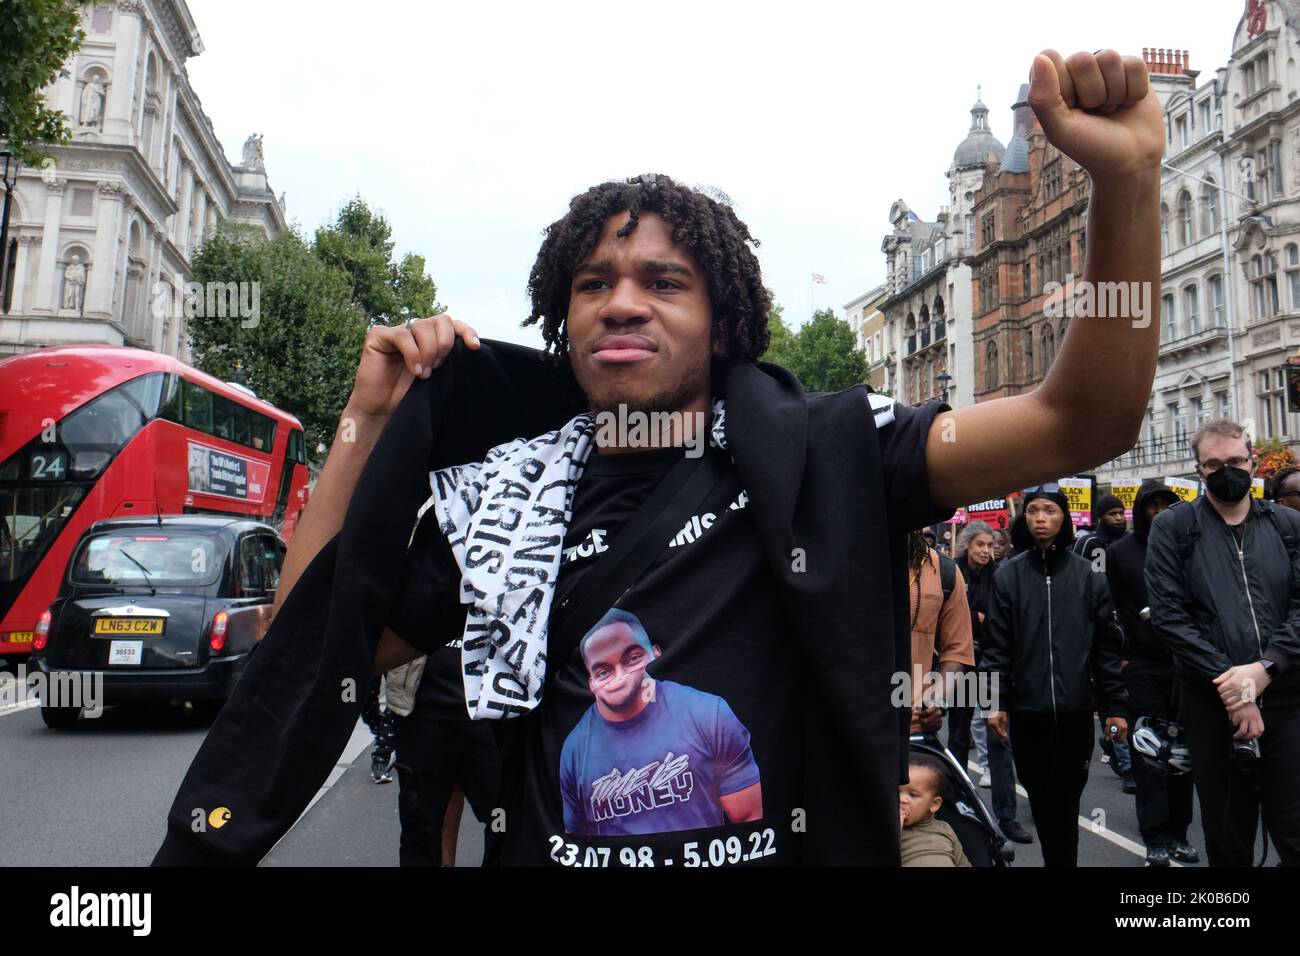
[42, 630]
[218, 639]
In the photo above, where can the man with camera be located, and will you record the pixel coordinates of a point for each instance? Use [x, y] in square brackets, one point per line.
[1222, 576]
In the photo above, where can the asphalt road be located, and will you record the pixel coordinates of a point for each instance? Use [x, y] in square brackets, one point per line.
[98, 795]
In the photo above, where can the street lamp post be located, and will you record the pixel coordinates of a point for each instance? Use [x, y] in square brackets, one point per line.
[943, 378]
[9, 169]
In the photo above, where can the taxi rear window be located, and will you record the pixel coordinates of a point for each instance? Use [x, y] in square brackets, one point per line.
[147, 559]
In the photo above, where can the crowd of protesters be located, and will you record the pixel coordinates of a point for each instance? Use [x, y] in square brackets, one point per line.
[1179, 634]
[1180, 631]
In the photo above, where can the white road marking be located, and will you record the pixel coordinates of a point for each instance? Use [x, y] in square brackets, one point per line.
[1121, 841]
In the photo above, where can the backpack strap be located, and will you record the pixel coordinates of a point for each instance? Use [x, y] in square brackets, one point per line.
[947, 575]
[1286, 527]
[1187, 529]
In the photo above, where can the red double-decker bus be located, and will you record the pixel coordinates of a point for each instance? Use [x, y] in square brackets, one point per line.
[91, 432]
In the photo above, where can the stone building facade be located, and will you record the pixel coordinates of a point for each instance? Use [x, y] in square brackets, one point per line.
[102, 236]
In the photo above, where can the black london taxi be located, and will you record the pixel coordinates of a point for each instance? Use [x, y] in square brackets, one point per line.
[156, 609]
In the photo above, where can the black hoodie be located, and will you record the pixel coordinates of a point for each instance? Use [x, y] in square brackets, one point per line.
[1050, 641]
[1125, 562]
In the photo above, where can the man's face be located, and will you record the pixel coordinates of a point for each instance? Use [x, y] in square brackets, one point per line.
[1156, 505]
[1115, 518]
[1044, 518]
[640, 324]
[616, 663]
[1288, 493]
[1216, 451]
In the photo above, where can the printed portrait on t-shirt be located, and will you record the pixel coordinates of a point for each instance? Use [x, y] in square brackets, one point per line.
[651, 756]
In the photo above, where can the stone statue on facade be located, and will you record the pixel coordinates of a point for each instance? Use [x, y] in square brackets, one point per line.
[74, 283]
[253, 158]
[92, 104]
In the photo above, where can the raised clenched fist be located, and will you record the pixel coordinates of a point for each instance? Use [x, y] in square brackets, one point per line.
[1099, 109]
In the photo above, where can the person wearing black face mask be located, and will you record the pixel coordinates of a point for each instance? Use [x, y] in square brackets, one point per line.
[1223, 578]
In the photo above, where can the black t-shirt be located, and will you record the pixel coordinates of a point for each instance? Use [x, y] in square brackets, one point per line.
[441, 694]
[690, 754]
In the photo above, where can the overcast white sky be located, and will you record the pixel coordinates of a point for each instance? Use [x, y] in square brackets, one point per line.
[470, 125]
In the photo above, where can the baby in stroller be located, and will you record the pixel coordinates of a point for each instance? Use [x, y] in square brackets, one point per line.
[982, 843]
[926, 840]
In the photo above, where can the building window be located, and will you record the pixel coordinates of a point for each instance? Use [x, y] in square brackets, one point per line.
[1052, 179]
[986, 228]
[1221, 400]
[1164, 229]
[1191, 309]
[1256, 74]
[1173, 425]
[1272, 405]
[1215, 284]
[1186, 230]
[1275, 166]
[1029, 355]
[1263, 272]
[1207, 117]
[1171, 320]
[1180, 128]
[1210, 202]
[1263, 175]
[991, 366]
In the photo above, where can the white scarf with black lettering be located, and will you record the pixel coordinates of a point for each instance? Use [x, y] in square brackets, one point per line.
[505, 519]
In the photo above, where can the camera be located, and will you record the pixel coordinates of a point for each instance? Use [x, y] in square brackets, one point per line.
[1245, 754]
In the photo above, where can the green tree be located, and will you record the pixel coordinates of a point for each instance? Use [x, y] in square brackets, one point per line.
[780, 349]
[359, 244]
[302, 351]
[36, 38]
[822, 354]
[827, 357]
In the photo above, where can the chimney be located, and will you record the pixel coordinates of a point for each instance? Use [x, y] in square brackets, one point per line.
[1163, 60]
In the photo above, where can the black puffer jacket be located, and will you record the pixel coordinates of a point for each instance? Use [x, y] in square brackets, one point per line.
[1051, 643]
[1125, 568]
[1201, 605]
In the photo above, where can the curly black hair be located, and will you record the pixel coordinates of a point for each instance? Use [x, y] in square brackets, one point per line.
[708, 229]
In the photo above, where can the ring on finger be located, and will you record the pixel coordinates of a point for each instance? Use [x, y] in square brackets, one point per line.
[408, 325]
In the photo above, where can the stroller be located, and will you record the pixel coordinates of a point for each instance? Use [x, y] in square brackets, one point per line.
[964, 811]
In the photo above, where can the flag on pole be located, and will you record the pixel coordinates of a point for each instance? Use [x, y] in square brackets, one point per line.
[819, 278]
[913, 216]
